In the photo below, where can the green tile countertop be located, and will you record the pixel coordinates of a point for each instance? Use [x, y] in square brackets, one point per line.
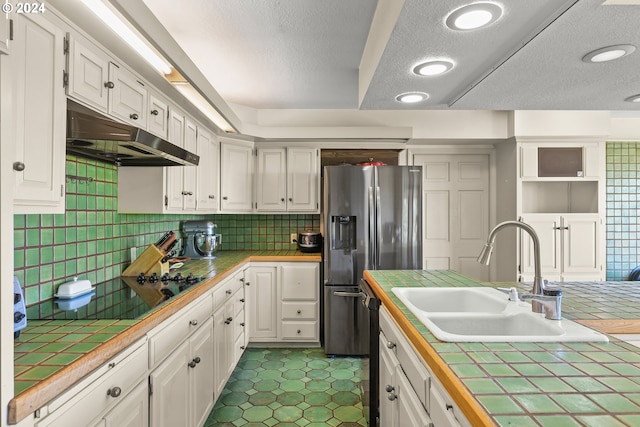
[539, 384]
[47, 350]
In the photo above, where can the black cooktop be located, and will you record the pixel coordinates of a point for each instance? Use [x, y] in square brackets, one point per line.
[119, 298]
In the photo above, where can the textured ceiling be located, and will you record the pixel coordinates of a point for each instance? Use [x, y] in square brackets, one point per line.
[306, 54]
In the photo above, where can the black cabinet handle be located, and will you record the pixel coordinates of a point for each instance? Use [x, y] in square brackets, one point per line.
[109, 85]
[18, 166]
[154, 112]
[114, 392]
[133, 116]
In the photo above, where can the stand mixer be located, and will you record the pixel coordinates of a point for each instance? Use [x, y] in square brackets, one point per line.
[200, 239]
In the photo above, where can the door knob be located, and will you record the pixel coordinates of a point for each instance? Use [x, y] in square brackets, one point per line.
[109, 85]
[133, 116]
[114, 392]
[154, 112]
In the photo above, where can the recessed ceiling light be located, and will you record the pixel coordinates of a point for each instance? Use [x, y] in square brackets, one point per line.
[432, 68]
[609, 53]
[634, 98]
[412, 97]
[474, 15]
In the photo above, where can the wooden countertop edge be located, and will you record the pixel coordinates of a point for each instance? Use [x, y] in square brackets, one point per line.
[476, 415]
[48, 389]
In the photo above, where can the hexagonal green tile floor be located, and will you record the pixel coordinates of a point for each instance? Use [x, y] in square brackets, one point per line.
[291, 387]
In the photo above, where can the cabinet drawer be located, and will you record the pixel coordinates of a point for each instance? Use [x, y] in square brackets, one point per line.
[300, 330]
[443, 411]
[224, 291]
[92, 400]
[299, 311]
[166, 337]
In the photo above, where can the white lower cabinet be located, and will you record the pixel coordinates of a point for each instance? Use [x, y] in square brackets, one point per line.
[105, 394]
[182, 386]
[409, 393]
[569, 247]
[228, 329]
[284, 302]
[132, 412]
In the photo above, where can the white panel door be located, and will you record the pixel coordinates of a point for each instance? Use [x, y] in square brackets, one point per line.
[455, 212]
[189, 183]
[128, 97]
[88, 74]
[580, 243]
[263, 303]
[158, 116]
[175, 174]
[207, 172]
[302, 179]
[236, 175]
[271, 179]
[547, 228]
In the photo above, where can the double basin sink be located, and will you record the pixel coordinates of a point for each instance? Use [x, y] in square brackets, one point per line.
[482, 314]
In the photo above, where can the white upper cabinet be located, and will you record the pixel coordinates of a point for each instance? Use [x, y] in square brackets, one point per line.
[287, 179]
[236, 176]
[271, 180]
[189, 176]
[128, 97]
[158, 115]
[303, 179]
[561, 160]
[175, 174]
[36, 64]
[88, 74]
[207, 186]
[4, 32]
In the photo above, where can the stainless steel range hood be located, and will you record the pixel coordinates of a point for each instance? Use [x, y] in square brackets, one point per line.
[95, 136]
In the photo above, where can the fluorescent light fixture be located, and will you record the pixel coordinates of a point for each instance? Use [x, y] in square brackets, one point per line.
[412, 97]
[203, 105]
[124, 31]
[609, 53]
[473, 16]
[634, 98]
[432, 68]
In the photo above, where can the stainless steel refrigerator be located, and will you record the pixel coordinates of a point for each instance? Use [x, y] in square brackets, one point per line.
[372, 221]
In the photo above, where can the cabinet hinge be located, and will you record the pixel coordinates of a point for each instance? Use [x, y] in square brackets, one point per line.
[36, 413]
[150, 386]
[11, 29]
[166, 200]
[65, 79]
[65, 45]
[62, 190]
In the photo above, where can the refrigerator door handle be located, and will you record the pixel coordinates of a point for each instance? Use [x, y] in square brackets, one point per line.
[348, 294]
[370, 249]
[378, 230]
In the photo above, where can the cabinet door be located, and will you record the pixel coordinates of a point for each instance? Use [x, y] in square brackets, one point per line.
[263, 303]
[88, 74]
[37, 64]
[410, 410]
[158, 116]
[175, 174]
[300, 281]
[271, 180]
[207, 172]
[580, 244]
[201, 373]
[189, 183]
[133, 411]
[170, 390]
[302, 179]
[547, 228]
[223, 346]
[388, 404]
[236, 177]
[4, 33]
[128, 97]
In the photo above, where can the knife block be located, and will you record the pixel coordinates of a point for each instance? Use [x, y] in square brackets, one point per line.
[147, 263]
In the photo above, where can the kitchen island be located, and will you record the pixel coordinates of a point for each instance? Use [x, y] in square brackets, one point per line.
[530, 384]
[53, 355]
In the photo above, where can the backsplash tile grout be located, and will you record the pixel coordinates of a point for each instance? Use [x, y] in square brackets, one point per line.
[92, 240]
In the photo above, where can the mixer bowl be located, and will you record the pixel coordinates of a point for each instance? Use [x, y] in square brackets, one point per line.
[207, 244]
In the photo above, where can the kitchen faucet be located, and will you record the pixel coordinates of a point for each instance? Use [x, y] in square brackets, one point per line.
[538, 283]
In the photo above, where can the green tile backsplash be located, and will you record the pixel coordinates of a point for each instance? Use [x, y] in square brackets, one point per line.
[623, 209]
[92, 240]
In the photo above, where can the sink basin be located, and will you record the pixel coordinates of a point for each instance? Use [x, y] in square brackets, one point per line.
[479, 314]
[459, 300]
